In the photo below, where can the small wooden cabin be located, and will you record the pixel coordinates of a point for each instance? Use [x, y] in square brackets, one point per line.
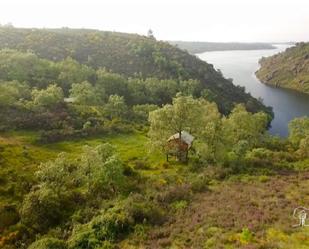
[178, 145]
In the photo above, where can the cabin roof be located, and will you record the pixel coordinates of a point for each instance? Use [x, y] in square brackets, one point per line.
[185, 137]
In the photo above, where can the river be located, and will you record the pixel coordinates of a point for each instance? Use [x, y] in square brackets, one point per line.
[241, 67]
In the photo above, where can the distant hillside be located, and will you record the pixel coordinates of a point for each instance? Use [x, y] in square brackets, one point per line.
[130, 55]
[200, 47]
[289, 69]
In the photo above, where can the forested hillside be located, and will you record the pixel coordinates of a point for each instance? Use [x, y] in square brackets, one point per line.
[129, 55]
[200, 47]
[289, 69]
[86, 159]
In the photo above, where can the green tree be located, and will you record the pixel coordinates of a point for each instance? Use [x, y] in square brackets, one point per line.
[139, 94]
[243, 125]
[26, 67]
[49, 97]
[298, 130]
[160, 91]
[61, 174]
[103, 169]
[209, 145]
[141, 112]
[115, 107]
[98, 168]
[186, 113]
[111, 83]
[70, 71]
[208, 95]
[84, 93]
[190, 87]
[13, 91]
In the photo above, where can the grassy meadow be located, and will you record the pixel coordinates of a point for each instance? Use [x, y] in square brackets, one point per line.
[249, 210]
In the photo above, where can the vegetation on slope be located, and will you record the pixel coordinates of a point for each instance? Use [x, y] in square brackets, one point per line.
[288, 69]
[129, 55]
[200, 47]
[111, 192]
[246, 211]
[81, 146]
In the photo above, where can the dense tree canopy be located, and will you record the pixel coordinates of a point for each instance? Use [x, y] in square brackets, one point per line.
[13, 91]
[215, 136]
[126, 54]
[28, 67]
[185, 114]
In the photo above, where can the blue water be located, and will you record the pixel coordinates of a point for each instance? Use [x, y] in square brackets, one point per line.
[241, 67]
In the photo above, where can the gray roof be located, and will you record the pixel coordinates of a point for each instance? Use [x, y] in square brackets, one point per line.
[185, 137]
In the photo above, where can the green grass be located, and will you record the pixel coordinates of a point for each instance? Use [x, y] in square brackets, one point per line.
[130, 147]
[20, 156]
[19, 159]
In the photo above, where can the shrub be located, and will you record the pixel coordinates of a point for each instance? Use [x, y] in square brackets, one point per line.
[200, 183]
[246, 236]
[263, 178]
[48, 243]
[112, 224]
[303, 150]
[178, 206]
[140, 231]
[274, 143]
[139, 164]
[8, 216]
[83, 238]
[164, 165]
[128, 171]
[144, 211]
[175, 193]
[41, 209]
[301, 165]
[259, 157]
[107, 245]
[56, 135]
[218, 172]
[234, 161]
[298, 130]
[16, 235]
[83, 215]
[141, 112]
